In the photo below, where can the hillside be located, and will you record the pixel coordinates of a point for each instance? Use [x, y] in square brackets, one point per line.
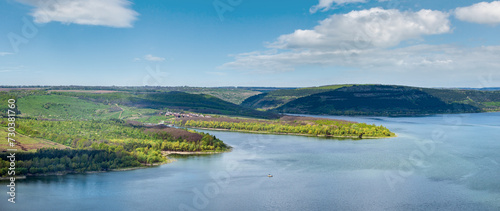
[375, 100]
[483, 100]
[200, 103]
[276, 98]
[98, 105]
[26, 143]
[234, 95]
[145, 103]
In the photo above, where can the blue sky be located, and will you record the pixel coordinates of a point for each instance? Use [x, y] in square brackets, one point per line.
[250, 43]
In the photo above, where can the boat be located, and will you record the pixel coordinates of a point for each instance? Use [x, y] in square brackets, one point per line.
[269, 175]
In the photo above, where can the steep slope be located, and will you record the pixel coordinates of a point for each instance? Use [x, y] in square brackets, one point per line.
[374, 100]
[203, 103]
[485, 100]
[276, 98]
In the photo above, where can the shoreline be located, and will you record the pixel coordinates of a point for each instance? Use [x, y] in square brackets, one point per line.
[16, 177]
[72, 172]
[144, 166]
[166, 153]
[298, 134]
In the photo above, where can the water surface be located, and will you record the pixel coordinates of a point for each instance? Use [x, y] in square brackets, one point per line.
[445, 162]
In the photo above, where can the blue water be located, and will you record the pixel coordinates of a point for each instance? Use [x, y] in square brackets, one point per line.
[441, 162]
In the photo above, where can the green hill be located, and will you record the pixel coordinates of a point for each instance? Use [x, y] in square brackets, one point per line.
[145, 103]
[276, 98]
[484, 100]
[234, 95]
[375, 100]
[201, 103]
[84, 105]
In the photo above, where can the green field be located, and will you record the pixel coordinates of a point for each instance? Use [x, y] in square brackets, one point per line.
[61, 107]
[70, 107]
[26, 143]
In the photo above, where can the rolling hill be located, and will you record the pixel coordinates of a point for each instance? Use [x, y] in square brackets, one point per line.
[91, 105]
[144, 103]
[276, 98]
[387, 100]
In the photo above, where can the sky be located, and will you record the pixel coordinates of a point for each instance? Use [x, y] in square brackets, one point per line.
[210, 43]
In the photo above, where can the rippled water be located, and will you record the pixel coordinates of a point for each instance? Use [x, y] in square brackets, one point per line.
[445, 162]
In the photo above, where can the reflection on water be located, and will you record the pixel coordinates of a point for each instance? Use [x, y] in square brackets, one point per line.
[448, 162]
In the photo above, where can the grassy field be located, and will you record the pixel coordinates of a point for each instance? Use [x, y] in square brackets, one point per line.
[71, 108]
[62, 107]
[26, 143]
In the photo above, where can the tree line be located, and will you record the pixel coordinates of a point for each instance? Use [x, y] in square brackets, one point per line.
[99, 145]
[50, 161]
[319, 128]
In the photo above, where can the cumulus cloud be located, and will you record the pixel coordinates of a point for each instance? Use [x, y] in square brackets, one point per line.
[482, 13]
[325, 5]
[113, 13]
[152, 58]
[363, 39]
[375, 27]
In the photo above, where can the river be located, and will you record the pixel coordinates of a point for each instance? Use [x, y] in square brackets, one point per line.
[439, 162]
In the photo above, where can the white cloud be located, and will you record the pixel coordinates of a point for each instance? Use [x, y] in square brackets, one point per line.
[325, 5]
[113, 13]
[363, 29]
[482, 13]
[5, 53]
[152, 58]
[420, 58]
[368, 41]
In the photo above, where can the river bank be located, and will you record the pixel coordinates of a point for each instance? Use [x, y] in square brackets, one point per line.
[296, 134]
[164, 153]
[189, 153]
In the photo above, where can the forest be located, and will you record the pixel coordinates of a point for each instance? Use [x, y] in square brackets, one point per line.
[294, 125]
[56, 161]
[372, 99]
[101, 145]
